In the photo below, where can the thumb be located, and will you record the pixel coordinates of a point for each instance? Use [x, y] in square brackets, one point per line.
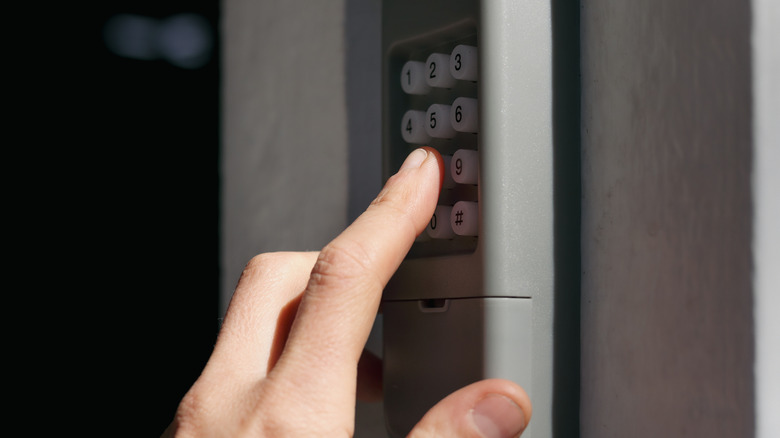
[493, 408]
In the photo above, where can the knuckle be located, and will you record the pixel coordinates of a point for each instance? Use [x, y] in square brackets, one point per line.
[194, 413]
[274, 266]
[260, 264]
[340, 265]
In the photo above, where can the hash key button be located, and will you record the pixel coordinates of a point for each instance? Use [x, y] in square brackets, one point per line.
[464, 218]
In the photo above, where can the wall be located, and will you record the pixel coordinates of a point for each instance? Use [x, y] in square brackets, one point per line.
[300, 132]
[766, 236]
[667, 304]
[284, 157]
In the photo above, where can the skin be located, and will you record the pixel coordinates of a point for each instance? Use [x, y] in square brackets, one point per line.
[289, 358]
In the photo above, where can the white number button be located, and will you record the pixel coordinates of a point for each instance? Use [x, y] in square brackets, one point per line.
[465, 166]
[439, 227]
[463, 63]
[437, 121]
[464, 115]
[413, 78]
[437, 71]
[464, 218]
[413, 127]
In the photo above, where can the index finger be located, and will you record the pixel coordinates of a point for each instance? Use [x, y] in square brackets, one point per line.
[340, 302]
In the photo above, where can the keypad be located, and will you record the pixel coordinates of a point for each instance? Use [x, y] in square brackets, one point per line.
[443, 112]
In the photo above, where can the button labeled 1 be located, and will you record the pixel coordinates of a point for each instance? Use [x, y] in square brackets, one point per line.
[413, 78]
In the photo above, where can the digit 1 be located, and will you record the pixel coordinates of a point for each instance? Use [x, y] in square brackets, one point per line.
[458, 166]
[409, 76]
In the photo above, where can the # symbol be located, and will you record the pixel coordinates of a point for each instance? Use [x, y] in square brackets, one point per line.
[459, 217]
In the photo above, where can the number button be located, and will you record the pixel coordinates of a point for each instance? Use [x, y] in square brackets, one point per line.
[437, 71]
[437, 121]
[464, 115]
[413, 127]
[439, 226]
[413, 78]
[465, 166]
[463, 63]
[464, 218]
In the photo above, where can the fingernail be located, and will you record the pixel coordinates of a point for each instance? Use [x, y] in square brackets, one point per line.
[497, 416]
[415, 159]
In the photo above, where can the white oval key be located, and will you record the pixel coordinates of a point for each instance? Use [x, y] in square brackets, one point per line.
[464, 218]
[463, 63]
[413, 78]
[439, 226]
[437, 121]
[437, 71]
[463, 116]
[465, 166]
[413, 127]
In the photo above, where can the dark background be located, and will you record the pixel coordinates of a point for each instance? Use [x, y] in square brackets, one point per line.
[148, 202]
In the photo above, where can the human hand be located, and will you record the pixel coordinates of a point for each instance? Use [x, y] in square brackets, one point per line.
[287, 361]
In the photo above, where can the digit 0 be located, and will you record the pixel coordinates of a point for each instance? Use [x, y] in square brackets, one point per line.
[433, 222]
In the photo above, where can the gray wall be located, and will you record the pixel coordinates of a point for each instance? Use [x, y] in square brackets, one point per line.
[766, 236]
[667, 306]
[301, 132]
[668, 132]
[284, 159]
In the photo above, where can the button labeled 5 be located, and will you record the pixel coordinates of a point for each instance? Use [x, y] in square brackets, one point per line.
[437, 121]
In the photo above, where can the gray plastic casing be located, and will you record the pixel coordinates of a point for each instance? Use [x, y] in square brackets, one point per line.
[452, 319]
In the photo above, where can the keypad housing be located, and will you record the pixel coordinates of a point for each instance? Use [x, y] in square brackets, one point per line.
[441, 113]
